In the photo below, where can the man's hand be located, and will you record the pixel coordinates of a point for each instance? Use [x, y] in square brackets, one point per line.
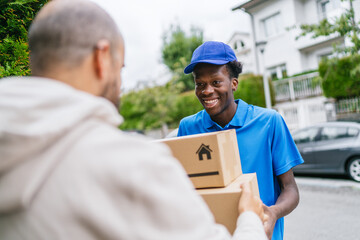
[286, 202]
[248, 202]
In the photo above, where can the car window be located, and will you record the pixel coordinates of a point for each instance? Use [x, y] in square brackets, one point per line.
[306, 135]
[353, 132]
[331, 133]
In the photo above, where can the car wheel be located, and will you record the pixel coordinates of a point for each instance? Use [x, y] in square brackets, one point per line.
[353, 169]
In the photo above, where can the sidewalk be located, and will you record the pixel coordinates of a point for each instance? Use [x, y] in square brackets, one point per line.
[326, 182]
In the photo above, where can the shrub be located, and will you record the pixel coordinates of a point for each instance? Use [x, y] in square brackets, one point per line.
[251, 90]
[185, 104]
[15, 19]
[340, 76]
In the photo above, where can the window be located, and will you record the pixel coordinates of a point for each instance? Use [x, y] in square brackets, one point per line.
[327, 6]
[273, 73]
[331, 133]
[306, 135]
[325, 56]
[353, 132]
[283, 71]
[324, 7]
[272, 25]
[277, 72]
[239, 45]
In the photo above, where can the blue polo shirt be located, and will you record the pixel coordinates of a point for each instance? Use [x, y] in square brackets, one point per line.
[265, 146]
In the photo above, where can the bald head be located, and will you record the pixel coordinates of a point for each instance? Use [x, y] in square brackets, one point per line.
[65, 32]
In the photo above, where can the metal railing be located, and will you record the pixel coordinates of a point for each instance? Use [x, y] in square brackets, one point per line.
[349, 105]
[298, 87]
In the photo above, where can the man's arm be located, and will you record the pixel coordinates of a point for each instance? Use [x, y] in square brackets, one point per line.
[285, 204]
[153, 193]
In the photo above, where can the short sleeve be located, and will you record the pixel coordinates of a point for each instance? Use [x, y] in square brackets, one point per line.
[181, 129]
[285, 154]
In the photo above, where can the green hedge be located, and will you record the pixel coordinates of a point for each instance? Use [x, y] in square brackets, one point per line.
[148, 108]
[185, 104]
[15, 19]
[251, 90]
[341, 76]
[151, 107]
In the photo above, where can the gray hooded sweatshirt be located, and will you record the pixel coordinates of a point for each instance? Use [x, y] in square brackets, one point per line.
[67, 172]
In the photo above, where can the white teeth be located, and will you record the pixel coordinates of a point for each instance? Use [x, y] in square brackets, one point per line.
[210, 101]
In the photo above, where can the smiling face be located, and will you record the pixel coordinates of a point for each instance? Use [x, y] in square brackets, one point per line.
[214, 89]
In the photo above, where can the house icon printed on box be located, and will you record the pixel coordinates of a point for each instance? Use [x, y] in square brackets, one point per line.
[204, 149]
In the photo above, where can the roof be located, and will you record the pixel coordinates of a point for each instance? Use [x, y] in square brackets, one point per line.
[204, 146]
[238, 34]
[249, 4]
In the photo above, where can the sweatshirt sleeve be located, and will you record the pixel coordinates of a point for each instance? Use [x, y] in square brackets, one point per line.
[155, 199]
[249, 227]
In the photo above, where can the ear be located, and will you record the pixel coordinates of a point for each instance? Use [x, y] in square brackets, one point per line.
[101, 58]
[234, 84]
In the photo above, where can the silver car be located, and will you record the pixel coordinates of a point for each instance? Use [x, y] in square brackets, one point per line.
[331, 147]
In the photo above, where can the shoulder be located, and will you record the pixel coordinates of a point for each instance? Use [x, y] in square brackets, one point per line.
[191, 124]
[106, 150]
[195, 118]
[263, 114]
[270, 113]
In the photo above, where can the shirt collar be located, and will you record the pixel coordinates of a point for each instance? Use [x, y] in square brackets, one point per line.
[237, 121]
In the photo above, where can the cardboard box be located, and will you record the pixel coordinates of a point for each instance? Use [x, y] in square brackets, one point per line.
[223, 202]
[210, 159]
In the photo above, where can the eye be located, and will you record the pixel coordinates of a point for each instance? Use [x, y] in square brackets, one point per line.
[216, 82]
[199, 84]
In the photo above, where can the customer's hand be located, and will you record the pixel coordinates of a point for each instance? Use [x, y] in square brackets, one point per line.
[270, 221]
[249, 202]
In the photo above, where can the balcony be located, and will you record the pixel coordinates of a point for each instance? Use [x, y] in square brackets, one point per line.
[299, 87]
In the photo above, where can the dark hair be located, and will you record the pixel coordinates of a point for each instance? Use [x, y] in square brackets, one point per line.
[234, 68]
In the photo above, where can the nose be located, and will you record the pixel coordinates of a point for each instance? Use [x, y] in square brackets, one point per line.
[208, 89]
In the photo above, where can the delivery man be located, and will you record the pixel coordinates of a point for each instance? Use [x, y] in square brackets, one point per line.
[265, 144]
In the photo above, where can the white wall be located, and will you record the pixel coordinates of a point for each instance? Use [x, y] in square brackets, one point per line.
[298, 55]
[246, 54]
[280, 48]
[310, 12]
[303, 113]
[356, 5]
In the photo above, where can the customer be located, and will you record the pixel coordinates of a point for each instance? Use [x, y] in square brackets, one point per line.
[66, 171]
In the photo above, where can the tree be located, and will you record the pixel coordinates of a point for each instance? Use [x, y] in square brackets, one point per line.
[345, 26]
[15, 19]
[177, 51]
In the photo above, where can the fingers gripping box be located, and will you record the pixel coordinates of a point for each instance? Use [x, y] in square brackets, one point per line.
[210, 159]
[223, 202]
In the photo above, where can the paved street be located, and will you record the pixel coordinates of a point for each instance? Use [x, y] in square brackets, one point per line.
[329, 209]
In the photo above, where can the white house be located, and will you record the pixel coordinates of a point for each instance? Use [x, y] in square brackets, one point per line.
[276, 22]
[242, 43]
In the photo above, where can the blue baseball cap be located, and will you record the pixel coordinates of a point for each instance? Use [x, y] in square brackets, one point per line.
[212, 52]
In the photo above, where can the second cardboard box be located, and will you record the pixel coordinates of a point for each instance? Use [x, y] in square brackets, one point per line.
[223, 202]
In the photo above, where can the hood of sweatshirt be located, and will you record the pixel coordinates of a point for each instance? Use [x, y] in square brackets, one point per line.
[35, 114]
